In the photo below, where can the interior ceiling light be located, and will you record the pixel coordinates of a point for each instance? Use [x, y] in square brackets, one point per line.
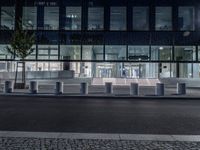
[161, 48]
[186, 33]
[71, 16]
[30, 22]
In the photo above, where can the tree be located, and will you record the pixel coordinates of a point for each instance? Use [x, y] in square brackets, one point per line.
[21, 47]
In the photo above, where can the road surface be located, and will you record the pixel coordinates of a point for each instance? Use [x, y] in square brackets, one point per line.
[100, 115]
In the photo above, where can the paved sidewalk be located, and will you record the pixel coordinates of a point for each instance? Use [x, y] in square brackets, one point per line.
[84, 141]
[144, 91]
[71, 144]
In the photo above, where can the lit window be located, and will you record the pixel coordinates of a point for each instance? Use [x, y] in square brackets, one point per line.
[73, 18]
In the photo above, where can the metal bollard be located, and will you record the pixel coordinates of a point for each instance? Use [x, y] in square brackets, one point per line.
[33, 87]
[59, 88]
[160, 89]
[181, 88]
[134, 89]
[84, 88]
[8, 87]
[108, 88]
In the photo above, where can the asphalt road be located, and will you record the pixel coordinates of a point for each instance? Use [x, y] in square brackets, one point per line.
[100, 115]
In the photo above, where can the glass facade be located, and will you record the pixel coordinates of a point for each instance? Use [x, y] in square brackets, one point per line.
[132, 39]
[3, 53]
[163, 53]
[138, 53]
[185, 53]
[92, 52]
[113, 52]
[48, 52]
[70, 52]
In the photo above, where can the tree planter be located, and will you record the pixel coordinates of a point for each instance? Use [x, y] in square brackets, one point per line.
[19, 85]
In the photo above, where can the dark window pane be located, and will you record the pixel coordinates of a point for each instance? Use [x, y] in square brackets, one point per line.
[140, 18]
[51, 18]
[186, 18]
[95, 19]
[163, 18]
[118, 18]
[7, 18]
[29, 18]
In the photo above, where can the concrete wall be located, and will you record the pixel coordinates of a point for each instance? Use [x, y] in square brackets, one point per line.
[65, 74]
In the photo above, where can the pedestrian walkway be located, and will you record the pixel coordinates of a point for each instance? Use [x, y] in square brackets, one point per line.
[99, 90]
[84, 141]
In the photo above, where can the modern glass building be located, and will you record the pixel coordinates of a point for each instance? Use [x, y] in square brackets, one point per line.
[107, 38]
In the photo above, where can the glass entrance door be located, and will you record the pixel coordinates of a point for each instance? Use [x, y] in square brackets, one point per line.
[126, 70]
[135, 70]
[132, 71]
[105, 70]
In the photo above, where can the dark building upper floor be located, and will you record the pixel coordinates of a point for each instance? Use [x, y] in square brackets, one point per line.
[132, 30]
[102, 15]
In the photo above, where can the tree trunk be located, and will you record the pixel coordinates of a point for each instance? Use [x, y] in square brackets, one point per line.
[24, 74]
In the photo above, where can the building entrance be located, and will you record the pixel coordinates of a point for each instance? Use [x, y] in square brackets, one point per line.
[134, 70]
[105, 70]
[121, 70]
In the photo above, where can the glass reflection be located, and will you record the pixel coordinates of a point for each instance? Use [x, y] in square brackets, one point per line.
[29, 18]
[7, 18]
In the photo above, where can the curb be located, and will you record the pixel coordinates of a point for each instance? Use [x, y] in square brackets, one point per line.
[101, 136]
[128, 97]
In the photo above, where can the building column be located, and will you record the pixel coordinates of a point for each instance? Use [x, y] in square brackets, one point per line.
[66, 64]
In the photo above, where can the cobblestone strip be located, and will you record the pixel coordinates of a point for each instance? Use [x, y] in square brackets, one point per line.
[15, 143]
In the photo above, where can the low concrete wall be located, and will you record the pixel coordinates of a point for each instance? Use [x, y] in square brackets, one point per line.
[65, 74]
[125, 81]
[169, 82]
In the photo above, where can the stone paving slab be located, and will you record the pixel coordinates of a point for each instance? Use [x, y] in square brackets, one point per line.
[10, 140]
[17, 143]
